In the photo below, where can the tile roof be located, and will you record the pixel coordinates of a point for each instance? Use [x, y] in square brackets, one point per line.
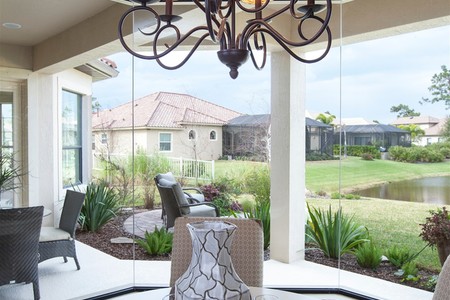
[168, 110]
[436, 130]
[416, 120]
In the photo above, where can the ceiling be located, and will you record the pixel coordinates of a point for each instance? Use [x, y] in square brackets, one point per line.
[41, 19]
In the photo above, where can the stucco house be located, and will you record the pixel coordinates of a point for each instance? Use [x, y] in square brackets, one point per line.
[432, 126]
[176, 125]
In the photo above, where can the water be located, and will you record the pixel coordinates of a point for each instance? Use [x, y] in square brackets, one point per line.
[435, 190]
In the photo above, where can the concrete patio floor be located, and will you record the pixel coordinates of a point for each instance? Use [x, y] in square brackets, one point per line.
[101, 272]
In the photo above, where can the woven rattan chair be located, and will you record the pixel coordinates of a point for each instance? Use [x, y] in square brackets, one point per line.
[55, 242]
[19, 238]
[176, 204]
[442, 291]
[247, 252]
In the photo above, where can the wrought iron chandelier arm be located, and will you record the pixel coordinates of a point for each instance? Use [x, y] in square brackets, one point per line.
[285, 46]
[258, 24]
[259, 47]
[188, 56]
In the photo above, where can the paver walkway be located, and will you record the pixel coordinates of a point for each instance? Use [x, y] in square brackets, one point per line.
[139, 223]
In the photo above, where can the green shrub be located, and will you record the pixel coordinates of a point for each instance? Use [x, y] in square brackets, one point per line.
[352, 196]
[415, 154]
[334, 233]
[158, 242]
[336, 195]
[398, 256]
[100, 205]
[257, 183]
[408, 272]
[368, 255]
[367, 156]
[357, 150]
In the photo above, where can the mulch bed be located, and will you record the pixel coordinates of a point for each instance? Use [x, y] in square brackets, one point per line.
[101, 240]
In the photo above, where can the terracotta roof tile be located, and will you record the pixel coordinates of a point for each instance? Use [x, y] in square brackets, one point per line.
[162, 109]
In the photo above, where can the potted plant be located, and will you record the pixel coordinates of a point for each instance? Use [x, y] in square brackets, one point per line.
[436, 231]
[10, 173]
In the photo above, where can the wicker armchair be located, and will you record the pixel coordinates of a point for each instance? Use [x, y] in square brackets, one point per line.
[247, 251]
[55, 242]
[19, 238]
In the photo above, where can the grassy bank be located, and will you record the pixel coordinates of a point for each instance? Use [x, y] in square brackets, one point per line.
[354, 172]
[390, 223]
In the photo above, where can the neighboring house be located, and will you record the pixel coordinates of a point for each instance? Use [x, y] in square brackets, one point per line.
[175, 125]
[373, 134]
[432, 126]
[249, 136]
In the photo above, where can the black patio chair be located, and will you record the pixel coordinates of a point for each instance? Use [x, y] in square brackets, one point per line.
[176, 204]
[55, 242]
[19, 240]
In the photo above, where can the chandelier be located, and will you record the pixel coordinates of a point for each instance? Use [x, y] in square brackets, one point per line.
[221, 28]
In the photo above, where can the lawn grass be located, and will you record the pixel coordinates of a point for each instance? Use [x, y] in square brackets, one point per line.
[389, 223]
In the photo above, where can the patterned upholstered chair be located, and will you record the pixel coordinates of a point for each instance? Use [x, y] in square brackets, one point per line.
[247, 252]
[442, 291]
[55, 242]
[19, 239]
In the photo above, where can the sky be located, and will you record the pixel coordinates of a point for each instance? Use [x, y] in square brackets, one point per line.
[376, 75]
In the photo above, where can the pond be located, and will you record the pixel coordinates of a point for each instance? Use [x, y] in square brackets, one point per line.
[435, 190]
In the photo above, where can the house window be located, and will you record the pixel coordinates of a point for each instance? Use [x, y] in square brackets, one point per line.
[165, 142]
[71, 138]
[6, 126]
[213, 135]
[104, 138]
[429, 141]
[191, 134]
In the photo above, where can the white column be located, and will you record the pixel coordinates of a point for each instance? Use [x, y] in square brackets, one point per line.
[288, 159]
[42, 142]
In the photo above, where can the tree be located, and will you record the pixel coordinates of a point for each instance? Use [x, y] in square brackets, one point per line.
[404, 110]
[446, 130]
[326, 118]
[440, 88]
[415, 131]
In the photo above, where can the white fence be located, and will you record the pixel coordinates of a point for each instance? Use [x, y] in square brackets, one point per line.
[180, 167]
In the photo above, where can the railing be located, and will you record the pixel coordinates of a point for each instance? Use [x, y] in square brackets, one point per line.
[180, 167]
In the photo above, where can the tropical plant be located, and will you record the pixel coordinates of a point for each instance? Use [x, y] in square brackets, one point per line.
[415, 130]
[398, 256]
[436, 228]
[408, 272]
[261, 211]
[146, 167]
[368, 255]
[99, 207]
[334, 233]
[11, 172]
[326, 118]
[158, 242]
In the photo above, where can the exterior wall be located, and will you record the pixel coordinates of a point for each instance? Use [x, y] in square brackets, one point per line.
[427, 140]
[120, 142]
[43, 143]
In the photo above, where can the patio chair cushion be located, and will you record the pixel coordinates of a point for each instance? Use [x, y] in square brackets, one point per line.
[202, 211]
[181, 198]
[49, 234]
[165, 182]
[166, 176]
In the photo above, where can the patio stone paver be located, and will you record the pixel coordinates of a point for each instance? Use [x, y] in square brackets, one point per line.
[141, 222]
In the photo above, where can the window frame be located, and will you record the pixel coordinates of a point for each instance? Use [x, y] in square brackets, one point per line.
[79, 149]
[169, 142]
[215, 135]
